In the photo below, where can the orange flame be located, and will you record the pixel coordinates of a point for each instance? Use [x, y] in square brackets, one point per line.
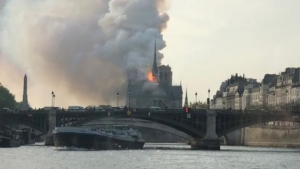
[150, 77]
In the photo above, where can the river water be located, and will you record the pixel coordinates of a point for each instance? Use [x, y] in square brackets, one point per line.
[153, 156]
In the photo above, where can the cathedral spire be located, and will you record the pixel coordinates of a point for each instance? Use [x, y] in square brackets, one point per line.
[186, 103]
[154, 67]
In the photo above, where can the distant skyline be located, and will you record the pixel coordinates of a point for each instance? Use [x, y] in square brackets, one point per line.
[207, 42]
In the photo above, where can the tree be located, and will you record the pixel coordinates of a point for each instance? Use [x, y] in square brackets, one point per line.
[7, 99]
[198, 105]
[18, 105]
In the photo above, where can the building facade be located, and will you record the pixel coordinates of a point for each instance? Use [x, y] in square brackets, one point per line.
[273, 92]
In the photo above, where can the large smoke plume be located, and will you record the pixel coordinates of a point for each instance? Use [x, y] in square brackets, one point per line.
[82, 49]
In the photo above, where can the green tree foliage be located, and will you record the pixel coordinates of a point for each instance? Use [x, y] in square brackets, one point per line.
[198, 105]
[6, 98]
[18, 105]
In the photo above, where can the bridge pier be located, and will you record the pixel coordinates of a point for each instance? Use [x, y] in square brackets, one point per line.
[52, 124]
[211, 140]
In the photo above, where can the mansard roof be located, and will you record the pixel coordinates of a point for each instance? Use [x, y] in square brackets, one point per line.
[273, 83]
[268, 78]
[219, 93]
[236, 88]
[296, 78]
[240, 88]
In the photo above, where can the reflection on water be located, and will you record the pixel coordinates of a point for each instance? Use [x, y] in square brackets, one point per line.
[165, 156]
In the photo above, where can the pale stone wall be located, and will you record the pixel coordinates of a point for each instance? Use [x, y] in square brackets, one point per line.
[271, 137]
[219, 103]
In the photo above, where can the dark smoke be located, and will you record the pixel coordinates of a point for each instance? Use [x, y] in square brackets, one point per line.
[82, 49]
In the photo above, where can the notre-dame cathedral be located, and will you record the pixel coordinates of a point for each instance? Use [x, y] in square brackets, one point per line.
[157, 90]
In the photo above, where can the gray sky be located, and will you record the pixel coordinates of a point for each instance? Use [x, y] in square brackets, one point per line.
[207, 41]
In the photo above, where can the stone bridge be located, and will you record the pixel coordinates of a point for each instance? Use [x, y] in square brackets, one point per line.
[203, 125]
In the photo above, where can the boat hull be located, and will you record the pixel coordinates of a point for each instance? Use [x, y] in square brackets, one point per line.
[93, 141]
[7, 143]
[4, 142]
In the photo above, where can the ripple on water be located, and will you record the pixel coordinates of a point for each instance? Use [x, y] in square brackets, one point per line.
[165, 156]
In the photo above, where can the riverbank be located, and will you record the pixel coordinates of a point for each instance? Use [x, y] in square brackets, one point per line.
[272, 144]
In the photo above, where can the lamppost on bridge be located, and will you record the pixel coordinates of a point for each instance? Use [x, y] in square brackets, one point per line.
[267, 99]
[196, 99]
[274, 100]
[208, 99]
[129, 91]
[53, 98]
[286, 100]
[118, 99]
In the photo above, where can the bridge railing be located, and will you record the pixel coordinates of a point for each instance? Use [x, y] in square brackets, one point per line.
[127, 109]
[248, 111]
[24, 112]
[254, 111]
[113, 110]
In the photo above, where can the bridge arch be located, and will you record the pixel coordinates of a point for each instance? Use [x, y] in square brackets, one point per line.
[35, 127]
[139, 123]
[224, 140]
[178, 125]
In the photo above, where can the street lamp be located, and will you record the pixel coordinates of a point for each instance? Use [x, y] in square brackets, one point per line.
[129, 91]
[274, 100]
[208, 99]
[196, 98]
[286, 100]
[118, 99]
[53, 98]
[267, 101]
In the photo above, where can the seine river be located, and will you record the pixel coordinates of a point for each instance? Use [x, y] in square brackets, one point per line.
[154, 156]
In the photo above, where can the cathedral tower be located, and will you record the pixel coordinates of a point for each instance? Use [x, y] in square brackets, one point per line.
[165, 75]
